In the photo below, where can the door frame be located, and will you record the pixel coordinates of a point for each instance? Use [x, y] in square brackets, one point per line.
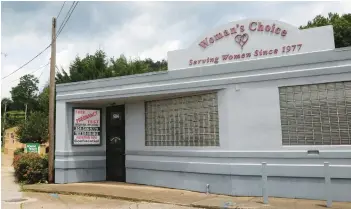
[107, 121]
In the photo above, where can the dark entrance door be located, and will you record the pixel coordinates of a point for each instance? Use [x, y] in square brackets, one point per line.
[115, 144]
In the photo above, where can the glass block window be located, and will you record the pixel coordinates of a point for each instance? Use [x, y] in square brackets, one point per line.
[318, 114]
[183, 121]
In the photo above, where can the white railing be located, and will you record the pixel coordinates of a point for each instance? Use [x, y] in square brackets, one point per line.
[327, 184]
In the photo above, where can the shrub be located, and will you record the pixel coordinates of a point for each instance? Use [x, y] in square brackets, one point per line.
[31, 168]
[18, 151]
[15, 160]
[35, 130]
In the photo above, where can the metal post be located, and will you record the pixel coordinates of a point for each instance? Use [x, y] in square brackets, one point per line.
[264, 183]
[327, 185]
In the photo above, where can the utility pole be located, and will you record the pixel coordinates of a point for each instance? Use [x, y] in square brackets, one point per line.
[52, 103]
[25, 114]
[4, 125]
[5, 114]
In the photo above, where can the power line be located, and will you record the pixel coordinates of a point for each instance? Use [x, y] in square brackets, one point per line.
[64, 19]
[41, 74]
[60, 10]
[74, 4]
[58, 70]
[27, 62]
[34, 71]
[43, 69]
[61, 28]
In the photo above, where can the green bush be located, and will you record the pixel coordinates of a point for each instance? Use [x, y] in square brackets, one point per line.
[35, 130]
[31, 168]
[18, 151]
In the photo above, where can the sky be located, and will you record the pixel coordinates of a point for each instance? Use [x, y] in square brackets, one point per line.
[135, 29]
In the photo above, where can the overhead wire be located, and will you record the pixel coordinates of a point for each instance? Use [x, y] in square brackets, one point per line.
[58, 70]
[41, 74]
[64, 19]
[60, 29]
[68, 16]
[27, 62]
[60, 10]
[43, 71]
[42, 67]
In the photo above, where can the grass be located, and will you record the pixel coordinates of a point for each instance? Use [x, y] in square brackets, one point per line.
[21, 184]
[15, 112]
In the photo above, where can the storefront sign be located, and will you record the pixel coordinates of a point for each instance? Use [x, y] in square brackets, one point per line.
[86, 126]
[241, 37]
[251, 39]
[32, 147]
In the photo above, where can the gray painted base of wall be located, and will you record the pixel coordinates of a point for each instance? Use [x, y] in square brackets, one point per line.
[63, 176]
[288, 187]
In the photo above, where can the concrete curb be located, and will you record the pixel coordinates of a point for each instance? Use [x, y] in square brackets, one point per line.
[144, 200]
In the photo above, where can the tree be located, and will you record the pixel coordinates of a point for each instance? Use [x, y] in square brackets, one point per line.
[35, 130]
[6, 102]
[43, 100]
[13, 117]
[25, 93]
[89, 68]
[98, 66]
[341, 26]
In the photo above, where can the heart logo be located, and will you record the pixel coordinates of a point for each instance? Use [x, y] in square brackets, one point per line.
[242, 39]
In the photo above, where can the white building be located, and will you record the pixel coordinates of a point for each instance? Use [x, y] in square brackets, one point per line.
[244, 93]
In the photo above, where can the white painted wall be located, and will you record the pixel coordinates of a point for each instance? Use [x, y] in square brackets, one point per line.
[135, 126]
[254, 118]
[249, 116]
[312, 40]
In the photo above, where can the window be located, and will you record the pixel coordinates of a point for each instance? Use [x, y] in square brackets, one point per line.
[317, 114]
[184, 121]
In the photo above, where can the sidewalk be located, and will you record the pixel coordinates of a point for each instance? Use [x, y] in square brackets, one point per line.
[178, 197]
[9, 189]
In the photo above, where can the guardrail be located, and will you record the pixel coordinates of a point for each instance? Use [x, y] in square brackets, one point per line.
[267, 177]
[327, 184]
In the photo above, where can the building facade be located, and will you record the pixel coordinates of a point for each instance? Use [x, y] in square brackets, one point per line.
[10, 139]
[12, 143]
[245, 93]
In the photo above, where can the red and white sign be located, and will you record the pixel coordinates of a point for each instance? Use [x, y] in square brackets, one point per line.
[86, 127]
[251, 39]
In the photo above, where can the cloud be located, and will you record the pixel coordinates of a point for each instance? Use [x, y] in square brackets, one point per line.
[158, 51]
[229, 18]
[135, 29]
